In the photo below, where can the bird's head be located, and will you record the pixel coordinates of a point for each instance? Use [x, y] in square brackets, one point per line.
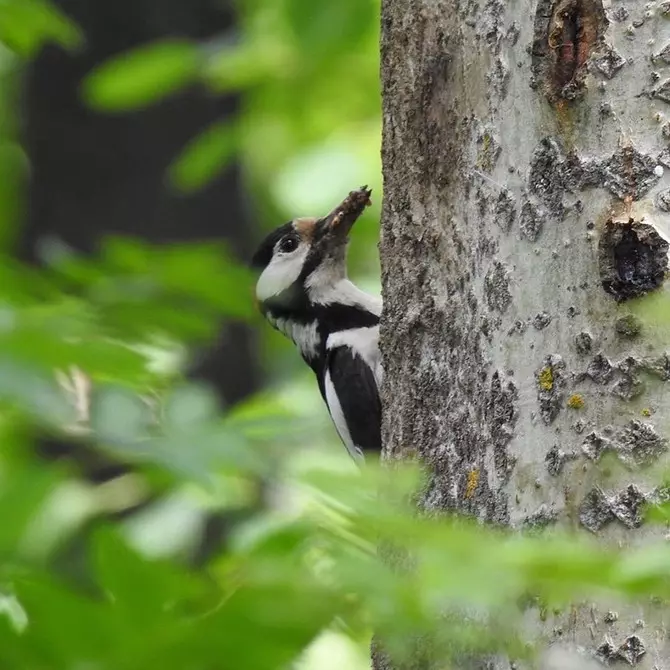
[303, 258]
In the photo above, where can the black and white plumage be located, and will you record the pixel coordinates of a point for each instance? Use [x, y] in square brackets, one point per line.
[304, 292]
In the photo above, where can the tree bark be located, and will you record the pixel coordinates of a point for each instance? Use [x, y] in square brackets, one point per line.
[524, 145]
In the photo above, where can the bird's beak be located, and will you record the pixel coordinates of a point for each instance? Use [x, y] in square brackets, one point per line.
[336, 225]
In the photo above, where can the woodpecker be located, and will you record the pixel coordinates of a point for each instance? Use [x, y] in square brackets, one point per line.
[303, 291]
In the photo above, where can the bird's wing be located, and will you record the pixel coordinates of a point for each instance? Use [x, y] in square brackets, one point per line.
[352, 397]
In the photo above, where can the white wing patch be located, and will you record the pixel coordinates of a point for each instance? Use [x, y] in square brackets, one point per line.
[337, 415]
[364, 342]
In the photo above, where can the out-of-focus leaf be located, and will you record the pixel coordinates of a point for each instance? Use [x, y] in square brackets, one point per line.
[118, 415]
[142, 76]
[20, 285]
[141, 589]
[334, 651]
[25, 25]
[189, 405]
[99, 357]
[653, 310]
[644, 571]
[167, 528]
[13, 171]
[204, 272]
[286, 613]
[11, 608]
[139, 319]
[314, 181]
[135, 291]
[205, 450]
[34, 393]
[204, 157]
[65, 628]
[330, 28]
[208, 273]
[657, 513]
[22, 491]
[242, 66]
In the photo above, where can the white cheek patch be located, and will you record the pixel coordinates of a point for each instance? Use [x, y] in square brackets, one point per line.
[280, 273]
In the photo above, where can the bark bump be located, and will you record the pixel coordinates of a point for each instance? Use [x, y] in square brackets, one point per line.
[631, 651]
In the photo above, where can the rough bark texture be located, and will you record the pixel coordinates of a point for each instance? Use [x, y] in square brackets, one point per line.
[524, 150]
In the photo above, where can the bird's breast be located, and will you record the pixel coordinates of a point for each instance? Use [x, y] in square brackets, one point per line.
[305, 336]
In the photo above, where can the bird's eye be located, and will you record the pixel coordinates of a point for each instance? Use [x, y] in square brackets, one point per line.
[289, 244]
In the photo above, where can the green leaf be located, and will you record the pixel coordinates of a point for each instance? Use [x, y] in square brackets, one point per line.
[204, 157]
[142, 76]
[314, 179]
[13, 172]
[97, 356]
[330, 29]
[35, 393]
[281, 604]
[246, 65]
[189, 405]
[26, 25]
[66, 628]
[119, 415]
[140, 588]
[24, 493]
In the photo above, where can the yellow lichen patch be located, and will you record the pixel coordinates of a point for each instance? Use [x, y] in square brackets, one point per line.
[646, 412]
[546, 378]
[576, 401]
[473, 480]
[410, 454]
[486, 157]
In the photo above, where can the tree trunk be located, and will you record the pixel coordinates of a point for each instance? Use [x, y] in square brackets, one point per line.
[524, 145]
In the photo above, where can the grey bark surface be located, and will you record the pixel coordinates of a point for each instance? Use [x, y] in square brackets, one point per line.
[520, 138]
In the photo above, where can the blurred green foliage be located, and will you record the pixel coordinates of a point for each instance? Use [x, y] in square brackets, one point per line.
[307, 570]
[25, 25]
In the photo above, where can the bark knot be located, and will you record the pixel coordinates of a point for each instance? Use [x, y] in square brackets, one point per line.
[566, 33]
[633, 259]
[631, 650]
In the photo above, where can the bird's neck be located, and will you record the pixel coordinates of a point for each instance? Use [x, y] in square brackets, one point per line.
[344, 292]
[306, 335]
[321, 312]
